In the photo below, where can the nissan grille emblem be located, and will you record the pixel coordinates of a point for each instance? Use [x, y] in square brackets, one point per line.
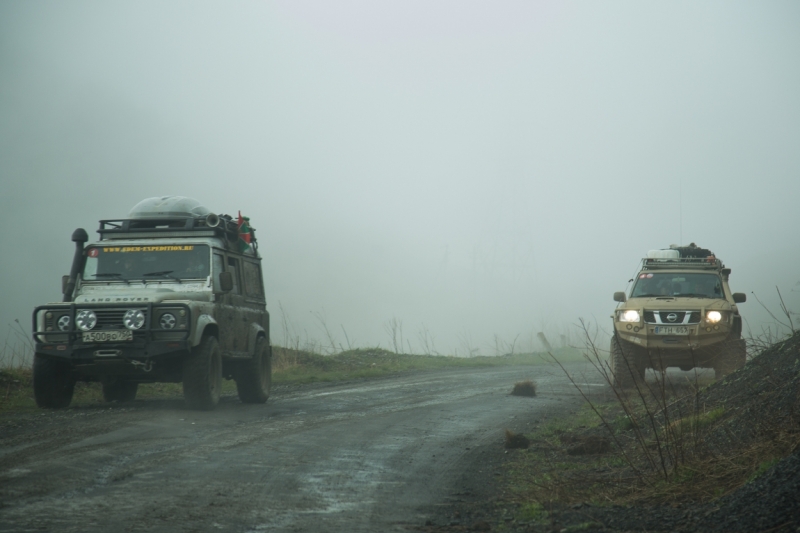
[672, 317]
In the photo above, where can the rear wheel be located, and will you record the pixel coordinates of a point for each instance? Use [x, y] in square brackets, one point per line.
[120, 390]
[202, 375]
[627, 363]
[254, 379]
[53, 382]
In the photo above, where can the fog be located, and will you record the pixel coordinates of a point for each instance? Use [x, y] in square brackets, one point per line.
[478, 170]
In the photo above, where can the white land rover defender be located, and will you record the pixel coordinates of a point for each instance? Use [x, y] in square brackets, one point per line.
[173, 293]
[680, 313]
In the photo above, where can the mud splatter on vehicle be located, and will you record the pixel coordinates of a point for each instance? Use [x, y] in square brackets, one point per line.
[173, 293]
[680, 313]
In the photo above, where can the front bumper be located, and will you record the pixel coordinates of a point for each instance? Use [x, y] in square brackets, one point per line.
[149, 345]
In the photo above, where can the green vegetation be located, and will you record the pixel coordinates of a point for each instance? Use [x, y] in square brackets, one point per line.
[289, 366]
[531, 512]
[296, 366]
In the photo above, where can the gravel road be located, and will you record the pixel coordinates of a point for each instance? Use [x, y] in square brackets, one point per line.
[373, 455]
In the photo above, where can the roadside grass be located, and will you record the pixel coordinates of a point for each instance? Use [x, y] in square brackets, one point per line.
[289, 367]
[678, 442]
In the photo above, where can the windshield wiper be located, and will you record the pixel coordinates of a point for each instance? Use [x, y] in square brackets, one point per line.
[163, 274]
[111, 275]
[695, 295]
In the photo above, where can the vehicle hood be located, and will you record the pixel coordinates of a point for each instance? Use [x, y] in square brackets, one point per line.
[678, 303]
[137, 292]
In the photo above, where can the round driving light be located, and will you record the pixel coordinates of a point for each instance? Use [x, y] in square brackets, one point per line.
[629, 326]
[63, 323]
[85, 319]
[133, 319]
[167, 321]
[708, 329]
[49, 315]
[714, 316]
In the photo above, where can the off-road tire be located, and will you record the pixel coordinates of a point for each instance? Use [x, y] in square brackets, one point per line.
[627, 364]
[53, 382]
[120, 390]
[202, 375]
[732, 357]
[254, 377]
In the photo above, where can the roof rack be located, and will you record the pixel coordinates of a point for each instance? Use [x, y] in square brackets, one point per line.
[212, 225]
[710, 262]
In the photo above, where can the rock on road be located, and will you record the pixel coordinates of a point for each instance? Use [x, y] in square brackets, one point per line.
[371, 455]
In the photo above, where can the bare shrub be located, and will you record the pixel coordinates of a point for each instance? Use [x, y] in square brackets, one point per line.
[524, 388]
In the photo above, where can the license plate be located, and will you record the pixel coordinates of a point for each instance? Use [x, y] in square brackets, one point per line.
[671, 330]
[108, 336]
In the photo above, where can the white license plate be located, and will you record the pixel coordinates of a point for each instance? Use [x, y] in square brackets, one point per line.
[108, 336]
[669, 330]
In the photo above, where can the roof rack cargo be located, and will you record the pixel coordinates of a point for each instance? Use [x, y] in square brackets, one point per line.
[172, 216]
[691, 256]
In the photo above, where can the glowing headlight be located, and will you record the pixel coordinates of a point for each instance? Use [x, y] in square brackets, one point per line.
[133, 319]
[630, 315]
[86, 319]
[167, 321]
[63, 323]
[713, 316]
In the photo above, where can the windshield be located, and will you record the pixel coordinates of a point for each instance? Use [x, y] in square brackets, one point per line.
[677, 284]
[146, 262]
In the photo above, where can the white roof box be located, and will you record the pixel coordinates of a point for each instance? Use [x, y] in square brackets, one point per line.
[664, 254]
[168, 206]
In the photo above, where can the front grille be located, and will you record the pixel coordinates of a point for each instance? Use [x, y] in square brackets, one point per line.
[681, 317]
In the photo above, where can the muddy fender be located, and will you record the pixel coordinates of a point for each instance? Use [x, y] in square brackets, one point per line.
[203, 322]
[252, 336]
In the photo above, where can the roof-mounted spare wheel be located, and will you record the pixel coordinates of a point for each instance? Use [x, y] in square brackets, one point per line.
[168, 206]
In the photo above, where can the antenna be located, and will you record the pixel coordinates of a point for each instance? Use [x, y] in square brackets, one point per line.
[680, 208]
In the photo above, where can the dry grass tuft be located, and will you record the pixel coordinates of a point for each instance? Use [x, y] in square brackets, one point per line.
[590, 445]
[516, 441]
[524, 388]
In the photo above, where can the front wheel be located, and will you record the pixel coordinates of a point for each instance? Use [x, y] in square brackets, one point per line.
[202, 375]
[254, 378]
[733, 356]
[627, 364]
[53, 382]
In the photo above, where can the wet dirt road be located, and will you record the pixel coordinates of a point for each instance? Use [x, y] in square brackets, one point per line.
[373, 455]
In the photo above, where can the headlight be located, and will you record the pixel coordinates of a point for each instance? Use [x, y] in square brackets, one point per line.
[713, 316]
[86, 319]
[631, 315]
[133, 319]
[167, 321]
[63, 323]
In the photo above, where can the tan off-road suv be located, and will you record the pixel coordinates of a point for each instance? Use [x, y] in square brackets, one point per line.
[680, 313]
[173, 293]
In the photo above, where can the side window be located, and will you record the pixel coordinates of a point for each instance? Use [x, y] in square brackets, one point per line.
[252, 280]
[218, 266]
[233, 268]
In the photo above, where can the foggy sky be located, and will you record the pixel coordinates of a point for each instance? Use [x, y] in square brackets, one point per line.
[473, 168]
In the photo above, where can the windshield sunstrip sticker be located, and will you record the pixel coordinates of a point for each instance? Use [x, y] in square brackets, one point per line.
[164, 248]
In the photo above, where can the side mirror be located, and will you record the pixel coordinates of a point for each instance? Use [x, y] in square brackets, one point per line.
[739, 297]
[225, 281]
[64, 281]
[619, 297]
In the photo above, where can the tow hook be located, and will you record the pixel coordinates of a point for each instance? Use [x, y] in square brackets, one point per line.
[147, 367]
